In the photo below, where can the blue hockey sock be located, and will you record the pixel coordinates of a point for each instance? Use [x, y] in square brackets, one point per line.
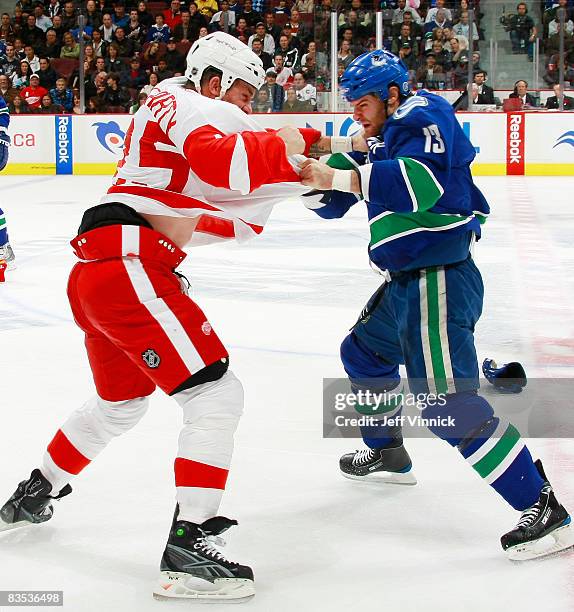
[3, 229]
[502, 460]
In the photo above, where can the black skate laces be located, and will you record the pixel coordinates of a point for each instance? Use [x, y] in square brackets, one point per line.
[363, 456]
[532, 515]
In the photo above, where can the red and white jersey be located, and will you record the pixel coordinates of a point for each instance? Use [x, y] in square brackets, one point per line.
[186, 155]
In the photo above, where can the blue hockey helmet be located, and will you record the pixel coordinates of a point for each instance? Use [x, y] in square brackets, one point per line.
[373, 73]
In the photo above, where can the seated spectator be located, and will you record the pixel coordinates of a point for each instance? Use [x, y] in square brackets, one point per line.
[175, 60]
[19, 49]
[62, 95]
[406, 54]
[144, 17]
[142, 97]
[399, 13]
[554, 27]
[439, 20]
[261, 34]
[298, 29]
[100, 64]
[159, 32]
[70, 49]
[275, 93]
[458, 51]
[47, 74]
[113, 63]
[457, 10]
[289, 53]
[42, 21]
[554, 101]
[345, 56]
[432, 37]
[356, 49]
[304, 6]
[31, 34]
[53, 7]
[163, 71]
[461, 104]
[6, 90]
[552, 74]
[89, 71]
[241, 29]
[32, 94]
[107, 28]
[293, 105]
[58, 27]
[47, 106]
[96, 86]
[262, 103]
[460, 72]
[77, 110]
[135, 30]
[270, 27]
[439, 6]
[522, 31]
[257, 48]
[207, 8]
[69, 17]
[442, 57]
[485, 94]
[361, 33]
[151, 56]
[9, 62]
[95, 105]
[463, 28]
[417, 30]
[476, 62]
[185, 31]
[31, 57]
[197, 20]
[172, 15]
[224, 19]
[135, 77]
[405, 36]
[119, 17]
[22, 77]
[521, 92]
[7, 30]
[152, 82]
[18, 107]
[431, 74]
[99, 45]
[115, 94]
[126, 47]
[303, 90]
[313, 63]
[93, 15]
[282, 8]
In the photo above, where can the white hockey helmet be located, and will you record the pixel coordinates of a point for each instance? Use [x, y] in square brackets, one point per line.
[227, 54]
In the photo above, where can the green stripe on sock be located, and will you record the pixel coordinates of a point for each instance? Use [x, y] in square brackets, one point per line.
[497, 454]
[2, 221]
[391, 403]
[422, 183]
[434, 331]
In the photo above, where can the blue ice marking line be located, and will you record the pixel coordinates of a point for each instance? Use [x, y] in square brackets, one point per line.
[466, 130]
[64, 147]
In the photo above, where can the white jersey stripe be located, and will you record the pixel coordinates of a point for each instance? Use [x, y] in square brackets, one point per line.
[162, 313]
[130, 240]
[239, 170]
[443, 319]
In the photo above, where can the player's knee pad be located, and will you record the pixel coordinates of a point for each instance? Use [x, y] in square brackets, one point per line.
[108, 420]
[360, 362]
[454, 417]
[215, 406]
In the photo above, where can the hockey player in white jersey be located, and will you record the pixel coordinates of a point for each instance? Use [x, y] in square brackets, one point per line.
[195, 168]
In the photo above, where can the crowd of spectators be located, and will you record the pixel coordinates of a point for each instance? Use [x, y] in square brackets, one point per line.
[132, 45]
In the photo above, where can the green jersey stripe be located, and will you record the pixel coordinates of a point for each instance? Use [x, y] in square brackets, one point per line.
[499, 452]
[386, 227]
[421, 183]
[342, 161]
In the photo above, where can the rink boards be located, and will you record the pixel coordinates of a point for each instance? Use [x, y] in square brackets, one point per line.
[522, 143]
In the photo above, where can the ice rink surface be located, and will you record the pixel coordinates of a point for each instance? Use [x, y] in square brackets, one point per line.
[282, 304]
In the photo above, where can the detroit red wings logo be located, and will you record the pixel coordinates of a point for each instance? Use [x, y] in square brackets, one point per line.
[151, 358]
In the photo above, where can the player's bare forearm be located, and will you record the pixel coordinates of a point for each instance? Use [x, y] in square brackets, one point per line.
[339, 144]
[321, 147]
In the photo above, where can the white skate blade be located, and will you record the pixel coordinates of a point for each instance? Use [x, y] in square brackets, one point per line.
[9, 526]
[179, 585]
[556, 541]
[399, 478]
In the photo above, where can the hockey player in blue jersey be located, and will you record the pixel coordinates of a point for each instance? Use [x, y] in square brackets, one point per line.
[6, 252]
[424, 213]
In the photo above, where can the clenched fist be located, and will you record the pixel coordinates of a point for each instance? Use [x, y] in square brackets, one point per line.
[316, 174]
[294, 142]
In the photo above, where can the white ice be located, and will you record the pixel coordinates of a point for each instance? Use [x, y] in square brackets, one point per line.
[282, 304]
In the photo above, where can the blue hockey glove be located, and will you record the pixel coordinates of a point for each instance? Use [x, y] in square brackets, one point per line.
[4, 144]
[509, 378]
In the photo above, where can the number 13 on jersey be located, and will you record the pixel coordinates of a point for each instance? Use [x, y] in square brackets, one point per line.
[433, 140]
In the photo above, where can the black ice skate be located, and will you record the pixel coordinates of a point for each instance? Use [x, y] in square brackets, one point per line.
[391, 465]
[7, 254]
[31, 503]
[543, 529]
[191, 568]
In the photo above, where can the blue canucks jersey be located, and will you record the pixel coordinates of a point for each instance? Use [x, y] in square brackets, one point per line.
[422, 204]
